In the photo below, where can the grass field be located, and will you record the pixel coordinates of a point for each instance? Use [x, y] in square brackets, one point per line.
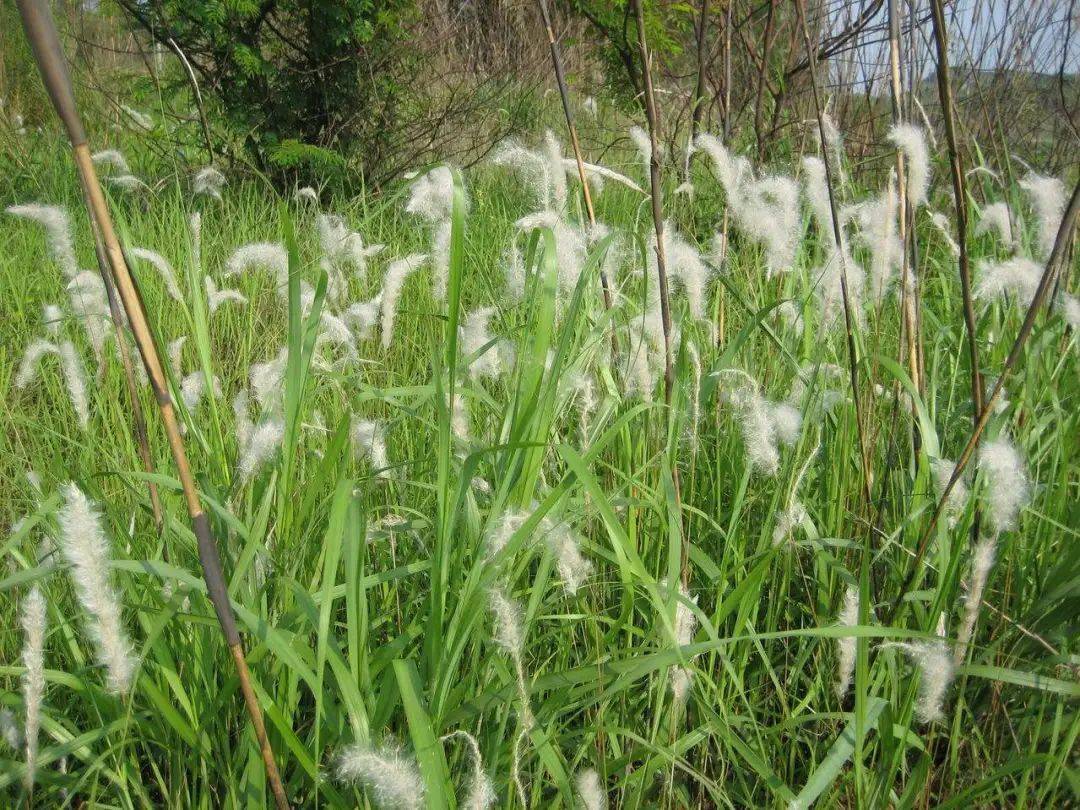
[506, 565]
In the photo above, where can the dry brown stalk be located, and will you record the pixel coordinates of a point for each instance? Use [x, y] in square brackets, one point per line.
[41, 32]
[848, 321]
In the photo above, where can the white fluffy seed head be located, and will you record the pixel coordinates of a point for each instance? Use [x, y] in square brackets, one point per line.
[591, 795]
[1008, 489]
[643, 144]
[1017, 276]
[88, 552]
[215, 296]
[845, 645]
[432, 195]
[391, 777]
[111, 158]
[263, 443]
[369, 441]
[268, 256]
[31, 361]
[33, 680]
[10, 732]
[75, 379]
[58, 233]
[995, 218]
[556, 169]
[565, 546]
[911, 140]
[502, 529]
[789, 520]
[268, 381]
[393, 281]
[758, 429]
[936, 673]
[506, 615]
[1069, 307]
[941, 222]
[474, 335]
[163, 268]
[1047, 195]
[942, 470]
[127, 182]
[982, 560]
[208, 181]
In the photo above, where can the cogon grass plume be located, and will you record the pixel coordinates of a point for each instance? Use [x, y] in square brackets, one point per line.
[936, 671]
[10, 732]
[263, 443]
[58, 233]
[1018, 276]
[996, 218]
[481, 793]
[590, 792]
[208, 181]
[369, 440]
[163, 268]
[510, 635]
[982, 560]
[845, 645]
[1047, 195]
[1007, 486]
[87, 550]
[911, 141]
[393, 281]
[942, 470]
[431, 198]
[33, 680]
[215, 296]
[392, 778]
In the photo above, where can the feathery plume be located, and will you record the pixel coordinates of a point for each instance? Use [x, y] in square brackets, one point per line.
[241, 419]
[758, 429]
[557, 169]
[533, 168]
[58, 233]
[193, 388]
[1047, 195]
[33, 680]
[139, 119]
[996, 218]
[936, 673]
[511, 637]
[369, 440]
[392, 778]
[481, 795]
[501, 530]
[208, 181]
[570, 246]
[1069, 307]
[87, 550]
[363, 315]
[589, 790]
[10, 732]
[307, 194]
[112, 158]
[565, 546]
[1018, 276]
[474, 335]
[127, 182]
[910, 140]
[845, 645]
[262, 256]
[1008, 489]
[90, 306]
[942, 470]
[982, 560]
[267, 381]
[790, 519]
[597, 173]
[264, 441]
[215, 296]
[643, 144]
[877, 227]
[31, 361]
[941, 222]
[163, 268]
[432, 198]
[343, 249]
[75, 379]
[393, 281]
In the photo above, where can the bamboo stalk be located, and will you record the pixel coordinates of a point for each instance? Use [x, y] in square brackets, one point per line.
[852, 358]
[941, 42]
[41, 32]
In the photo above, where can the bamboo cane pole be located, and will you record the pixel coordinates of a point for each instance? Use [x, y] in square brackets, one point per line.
[41, 32]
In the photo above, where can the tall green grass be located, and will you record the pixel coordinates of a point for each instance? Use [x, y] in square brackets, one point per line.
[360, 629]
